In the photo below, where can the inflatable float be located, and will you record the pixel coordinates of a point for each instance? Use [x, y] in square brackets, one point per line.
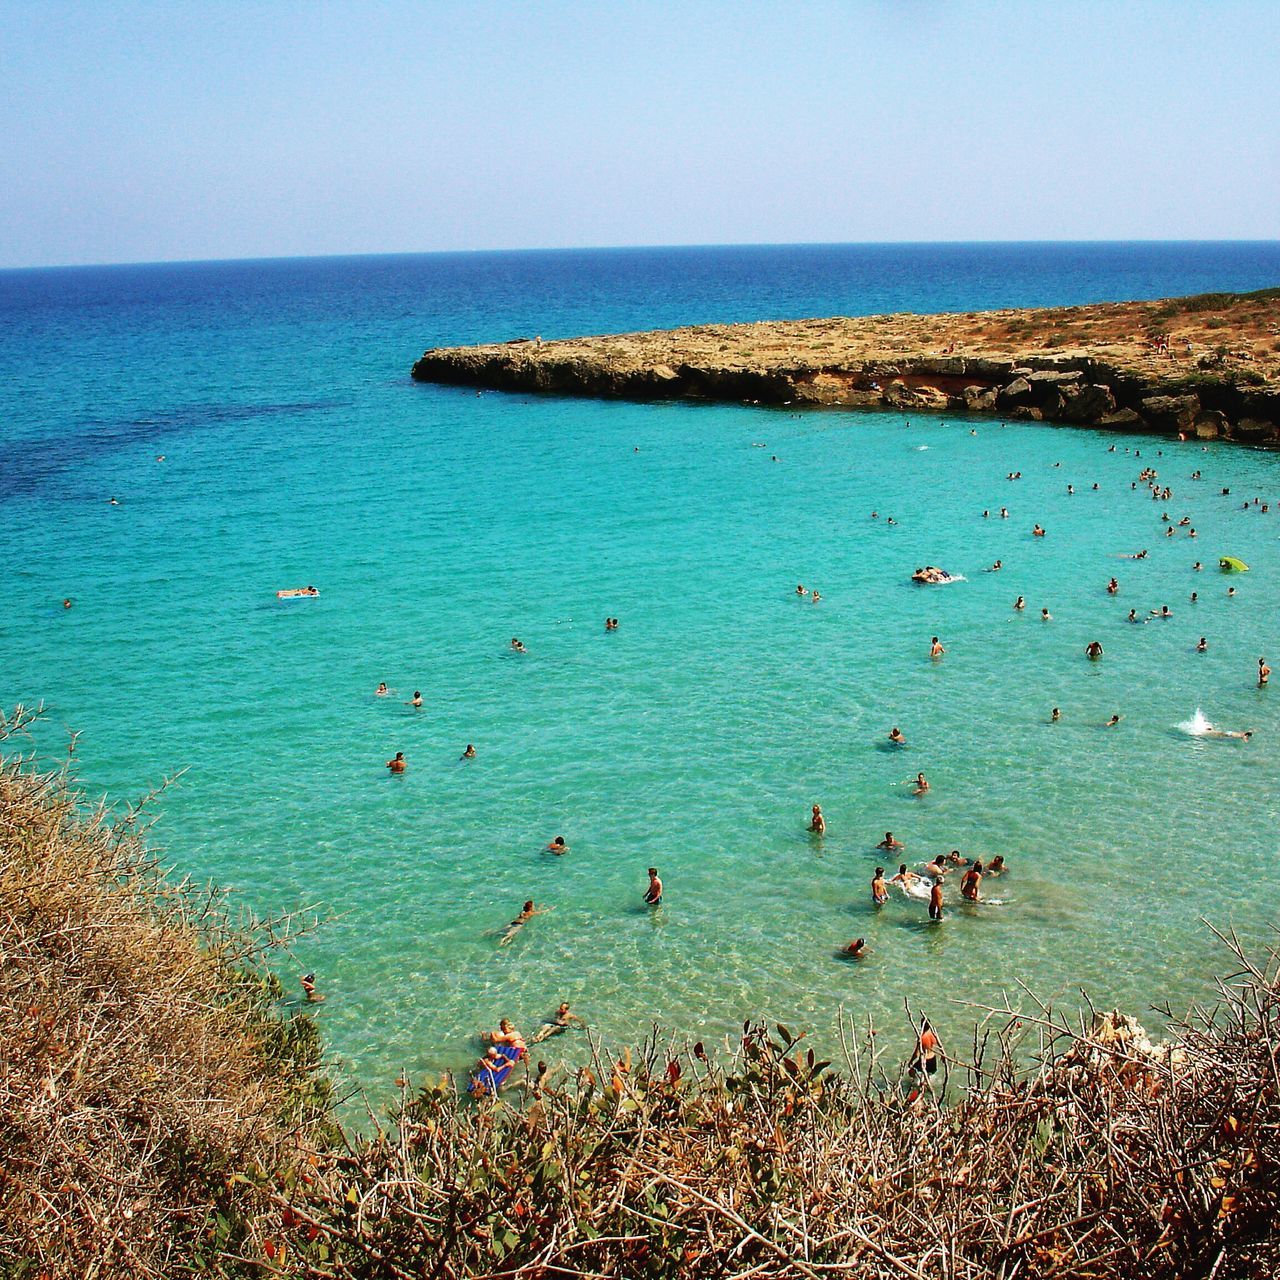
[489, 1079]
[1229, 564]
[297, 593]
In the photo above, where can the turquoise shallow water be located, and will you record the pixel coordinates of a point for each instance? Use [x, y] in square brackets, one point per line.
[438, 524]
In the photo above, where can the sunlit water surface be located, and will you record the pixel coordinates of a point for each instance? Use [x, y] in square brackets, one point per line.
[439, 524]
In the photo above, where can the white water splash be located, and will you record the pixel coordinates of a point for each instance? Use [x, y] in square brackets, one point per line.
[1198, 726]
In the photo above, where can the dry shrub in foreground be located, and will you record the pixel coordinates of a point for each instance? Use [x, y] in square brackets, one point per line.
[142, 1062]
[157, 1119]
[1059, 1151]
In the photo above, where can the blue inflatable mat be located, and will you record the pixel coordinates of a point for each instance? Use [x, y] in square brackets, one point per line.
[488, 1080]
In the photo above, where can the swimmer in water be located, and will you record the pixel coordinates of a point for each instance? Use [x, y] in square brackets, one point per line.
[381, 691]
[505, 1034]
[996, 865]
[516, 646]
[1163, 612]
[927, 1043]
[1198, 567]
[879, 890]
[922, 785]
[936, 868]
[816, 595]
[935, 901]
[527, 912]
[995, 568]
[1202, 645]
[1004, 513]
[895, 736]
[1093, 650]
[416, 700]
[890, 843]
[557, 846]
[818, 824]
[561, 1022]
[971, 881]
[1111, 724]
[1264, 672]
[1019, 604]
[1231, 591]
[1113, 587]
[904, 877]
[398, 764]
[66, 604]
[935, 648]
[1045, 615]
[1133, 616]
[469, 753]
[1195, 596]
[653, 894]
[309, 992]
[1054, 716]
[856, 949]
[1037, 532]
[800, 589]
[1241, 735]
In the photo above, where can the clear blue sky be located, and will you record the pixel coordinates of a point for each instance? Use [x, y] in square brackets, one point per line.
[152, 131]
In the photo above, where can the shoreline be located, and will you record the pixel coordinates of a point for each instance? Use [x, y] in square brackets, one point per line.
[1206, 366]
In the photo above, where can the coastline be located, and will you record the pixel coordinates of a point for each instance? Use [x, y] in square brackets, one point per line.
[1207, 365]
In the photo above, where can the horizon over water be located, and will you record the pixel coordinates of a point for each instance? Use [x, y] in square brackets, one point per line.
[439, 523]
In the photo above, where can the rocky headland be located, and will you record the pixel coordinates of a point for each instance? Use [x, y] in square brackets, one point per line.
[1206, 366]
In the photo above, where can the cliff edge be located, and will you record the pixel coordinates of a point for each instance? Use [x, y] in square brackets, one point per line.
[1206, 365]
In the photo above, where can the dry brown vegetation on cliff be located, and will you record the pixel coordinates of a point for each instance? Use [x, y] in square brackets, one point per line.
[1225, 330]
[158, 1119]
[142, 1060]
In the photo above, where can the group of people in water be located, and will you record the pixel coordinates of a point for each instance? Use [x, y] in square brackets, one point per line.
[929, 881]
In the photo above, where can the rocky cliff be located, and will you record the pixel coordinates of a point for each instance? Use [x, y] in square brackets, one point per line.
[1207, 365]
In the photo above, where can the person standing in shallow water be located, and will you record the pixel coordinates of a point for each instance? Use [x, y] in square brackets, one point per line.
[1264, 672]
[935, 649]
[653, 894]
[935, 901]
[818, 824]
[879, 890]
[398, 763]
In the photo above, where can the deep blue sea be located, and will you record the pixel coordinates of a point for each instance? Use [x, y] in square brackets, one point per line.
[439, 523]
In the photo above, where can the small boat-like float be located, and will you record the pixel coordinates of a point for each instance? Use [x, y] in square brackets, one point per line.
[490, 1077]
[1229, 564]
[297, 593]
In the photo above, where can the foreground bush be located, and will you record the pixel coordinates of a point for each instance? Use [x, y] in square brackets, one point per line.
[144, 1069]
[158, 1117]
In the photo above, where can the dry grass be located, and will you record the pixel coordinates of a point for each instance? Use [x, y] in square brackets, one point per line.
[142, 1063]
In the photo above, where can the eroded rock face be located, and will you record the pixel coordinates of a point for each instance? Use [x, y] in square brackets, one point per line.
[1018, 392]
[1171, 413]
[1087, 403]
[979, 399]
[1122, 420]
[1254, 429]
[1211, 425]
